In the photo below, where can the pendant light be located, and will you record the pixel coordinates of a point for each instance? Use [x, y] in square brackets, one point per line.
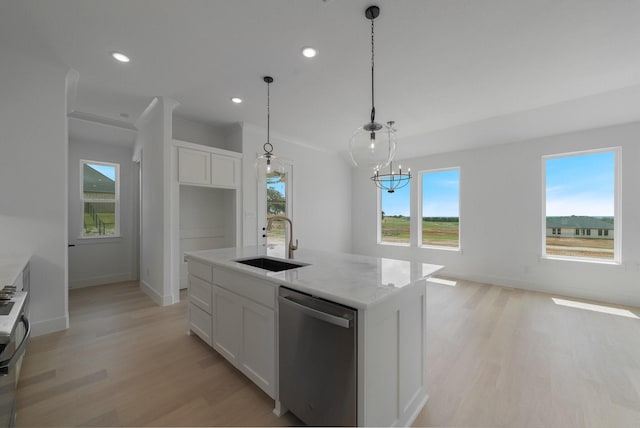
[269, 168]
[367, 149]
[391, 181]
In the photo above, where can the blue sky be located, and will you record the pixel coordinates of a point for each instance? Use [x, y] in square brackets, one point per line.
[440, 189]
[581, 185]
[441, 193]
[279, 186]
[109, 171]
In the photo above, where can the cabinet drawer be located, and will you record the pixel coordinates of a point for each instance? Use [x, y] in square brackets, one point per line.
[201, 270]
[200, 293]
[247, 286]
[200, 323]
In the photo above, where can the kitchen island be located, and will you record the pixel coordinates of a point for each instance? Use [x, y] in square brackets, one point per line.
[233, 307]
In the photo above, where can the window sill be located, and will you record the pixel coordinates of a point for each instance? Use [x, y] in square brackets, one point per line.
[88, 240]
[436, 247]
[394, 244]
[581, 260]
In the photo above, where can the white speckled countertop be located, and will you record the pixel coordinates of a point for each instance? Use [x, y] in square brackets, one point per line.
[353, 280]
[11, 267]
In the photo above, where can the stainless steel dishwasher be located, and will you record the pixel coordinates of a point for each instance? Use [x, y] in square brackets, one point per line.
[318, 359]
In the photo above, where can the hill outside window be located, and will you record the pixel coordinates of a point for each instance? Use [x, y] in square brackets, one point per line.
[100, 196]
[581, 206]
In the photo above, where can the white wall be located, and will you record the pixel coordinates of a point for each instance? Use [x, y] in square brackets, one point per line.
[321, 193]
[154, 144]
[207, 220]
[203, 133]
[105, 260]
[501, 218]
[33, 179]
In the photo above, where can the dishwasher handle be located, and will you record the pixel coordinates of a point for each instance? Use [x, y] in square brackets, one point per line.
[322, 316]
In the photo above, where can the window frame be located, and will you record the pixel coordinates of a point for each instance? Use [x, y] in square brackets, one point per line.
[116, 233]
[421, 202]
[617, 207]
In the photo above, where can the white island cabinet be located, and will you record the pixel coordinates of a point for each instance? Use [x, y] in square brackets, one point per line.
[389, 296]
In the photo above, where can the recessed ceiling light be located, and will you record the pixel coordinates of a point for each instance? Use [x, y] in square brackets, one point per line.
[309, 52]
[236, 100]
[120, 56]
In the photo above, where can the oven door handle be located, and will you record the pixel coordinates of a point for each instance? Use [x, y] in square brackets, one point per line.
[4, 365]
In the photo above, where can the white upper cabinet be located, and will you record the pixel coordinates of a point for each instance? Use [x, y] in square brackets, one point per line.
[206, 166]
[194, 166]
[225, 171]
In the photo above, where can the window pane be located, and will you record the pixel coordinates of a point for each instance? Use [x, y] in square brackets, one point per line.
[277, 205]
[99, 182]
[99, 218]
[395, 218]
[441, 208]
[580, 201]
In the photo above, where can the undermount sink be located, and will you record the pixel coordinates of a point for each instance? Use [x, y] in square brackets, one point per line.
[273, 265]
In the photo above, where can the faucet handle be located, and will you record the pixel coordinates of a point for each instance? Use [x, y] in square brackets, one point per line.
[295, 247]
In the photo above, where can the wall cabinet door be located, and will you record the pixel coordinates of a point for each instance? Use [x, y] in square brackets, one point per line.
[194, 166]
[258, 345]
[225, 171]
[227, 324]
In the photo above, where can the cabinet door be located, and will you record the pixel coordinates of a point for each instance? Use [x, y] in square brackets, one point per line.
[227, 324]
[225, 171]
[194, 166]
[258, 345]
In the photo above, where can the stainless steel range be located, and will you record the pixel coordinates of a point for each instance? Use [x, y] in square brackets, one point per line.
[14, 335]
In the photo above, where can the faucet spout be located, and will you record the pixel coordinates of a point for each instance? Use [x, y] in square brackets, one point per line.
[292, 247]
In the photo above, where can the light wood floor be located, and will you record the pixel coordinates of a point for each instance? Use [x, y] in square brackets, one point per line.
[497, 357]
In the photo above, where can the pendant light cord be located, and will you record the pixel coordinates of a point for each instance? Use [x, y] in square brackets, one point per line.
[373, 108]
[268, 148]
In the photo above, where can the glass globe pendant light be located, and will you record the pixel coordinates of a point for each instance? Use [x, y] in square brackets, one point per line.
[269, 168]
[368, 146]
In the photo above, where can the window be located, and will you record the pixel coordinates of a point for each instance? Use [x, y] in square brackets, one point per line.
[395, 217]
[581, 193]
[441, 208]
[100, 198]
[277, 205]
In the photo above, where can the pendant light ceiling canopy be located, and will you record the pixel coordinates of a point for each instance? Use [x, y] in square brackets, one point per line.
[373, 145]
[269, 168]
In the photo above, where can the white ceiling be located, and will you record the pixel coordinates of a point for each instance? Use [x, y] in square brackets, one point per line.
[452, 74]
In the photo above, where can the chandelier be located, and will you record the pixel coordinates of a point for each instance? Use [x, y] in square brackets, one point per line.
[268, 167]
[366, 149]
[391, 181]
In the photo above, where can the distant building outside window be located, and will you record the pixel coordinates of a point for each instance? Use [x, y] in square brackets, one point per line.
[581, 193]
[100, 196]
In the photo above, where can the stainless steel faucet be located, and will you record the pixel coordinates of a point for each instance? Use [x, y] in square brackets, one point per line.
[292, 247]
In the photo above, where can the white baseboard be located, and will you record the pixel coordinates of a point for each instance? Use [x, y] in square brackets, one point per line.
[49, 326]
[154, 295]
[100, 280]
